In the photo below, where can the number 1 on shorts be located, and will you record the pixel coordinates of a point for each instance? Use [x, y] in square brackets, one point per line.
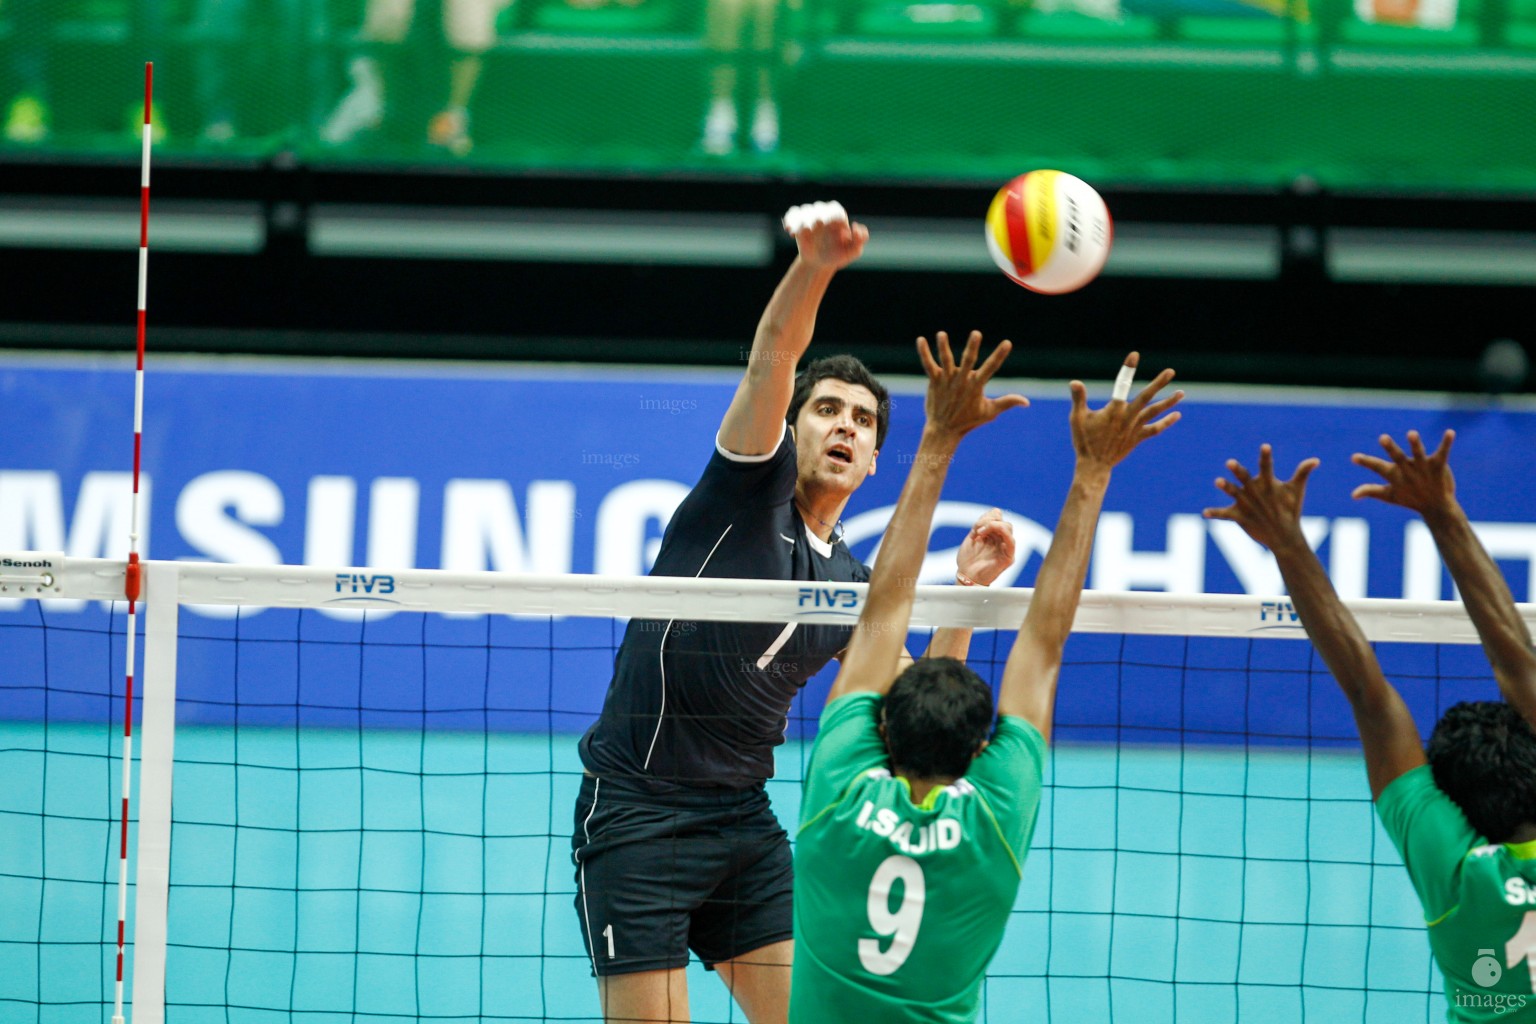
[608, 934]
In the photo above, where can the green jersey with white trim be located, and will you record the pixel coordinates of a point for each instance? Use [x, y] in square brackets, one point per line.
[1479, 901]
[899, 907]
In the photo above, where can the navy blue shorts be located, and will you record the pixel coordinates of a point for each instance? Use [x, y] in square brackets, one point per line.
[658, 875]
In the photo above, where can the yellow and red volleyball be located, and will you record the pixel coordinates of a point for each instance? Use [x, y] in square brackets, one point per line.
[1049, 231]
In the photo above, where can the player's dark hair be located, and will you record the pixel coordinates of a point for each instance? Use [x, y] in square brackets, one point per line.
[849, 370]
[1483, 755]
[936, 715]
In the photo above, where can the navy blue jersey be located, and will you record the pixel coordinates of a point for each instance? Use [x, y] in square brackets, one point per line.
[704, 703]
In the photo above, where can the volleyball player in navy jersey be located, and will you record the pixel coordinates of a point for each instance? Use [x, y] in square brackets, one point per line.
[675, 844]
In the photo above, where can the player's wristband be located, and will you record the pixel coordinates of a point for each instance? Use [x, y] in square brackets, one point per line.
[965, 581]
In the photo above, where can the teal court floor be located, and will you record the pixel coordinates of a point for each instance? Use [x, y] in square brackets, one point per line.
[399, 876]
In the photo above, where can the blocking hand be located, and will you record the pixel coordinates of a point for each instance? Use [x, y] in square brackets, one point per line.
[1422, 482]
[1105, 436]
[1268, 510]
[956, 402]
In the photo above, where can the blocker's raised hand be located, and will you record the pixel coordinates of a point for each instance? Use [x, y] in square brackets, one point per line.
[1105, 436]
[1422, 482]
[957, 402]
[1268, 510]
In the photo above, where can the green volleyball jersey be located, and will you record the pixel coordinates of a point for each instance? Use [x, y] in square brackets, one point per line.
[1479, 901]
[898, 907]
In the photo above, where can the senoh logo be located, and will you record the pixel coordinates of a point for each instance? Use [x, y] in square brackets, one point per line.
[359, 587]
[24, 563]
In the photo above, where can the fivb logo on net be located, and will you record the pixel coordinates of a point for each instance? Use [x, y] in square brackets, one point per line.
[364, 588]
[833, 601]
[1487, 972]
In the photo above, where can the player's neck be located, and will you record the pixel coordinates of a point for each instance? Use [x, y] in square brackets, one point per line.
[820, 509]
[1524, 833]
[920, 788]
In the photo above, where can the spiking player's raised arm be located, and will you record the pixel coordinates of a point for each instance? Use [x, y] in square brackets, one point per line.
[827, 241]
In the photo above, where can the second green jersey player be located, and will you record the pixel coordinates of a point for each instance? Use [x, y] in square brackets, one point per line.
[1463, 811]
[917, 814]
[1479, 898]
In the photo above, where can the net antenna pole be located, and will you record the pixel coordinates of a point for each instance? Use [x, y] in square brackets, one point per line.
[131, 578]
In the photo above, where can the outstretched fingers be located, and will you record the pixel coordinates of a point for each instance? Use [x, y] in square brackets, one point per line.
[1079, 397]
[1147, 418]
[1123, 380]
[1372, 463]
[1156, 409]
[1153, 429]
[1443, 453]
[926, 356]
[1377, 491]
[970, 352]
[994, 361]
[986, 370]
[1299, 478]
[1397, 454]
[1149, 392]
[946, 357]
[1240, 471]
[1232, 491]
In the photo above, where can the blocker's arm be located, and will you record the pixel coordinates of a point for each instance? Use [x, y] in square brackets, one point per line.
[1269, 511]
[1424, 483]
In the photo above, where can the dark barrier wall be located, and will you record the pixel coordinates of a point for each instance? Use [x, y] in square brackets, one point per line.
[1412, 93]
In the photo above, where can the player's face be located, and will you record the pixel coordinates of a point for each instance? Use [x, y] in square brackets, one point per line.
[835, 435]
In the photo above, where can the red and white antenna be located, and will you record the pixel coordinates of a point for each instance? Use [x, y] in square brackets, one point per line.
[132, 578]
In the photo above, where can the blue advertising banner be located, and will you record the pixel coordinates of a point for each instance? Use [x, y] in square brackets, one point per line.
[553, 471]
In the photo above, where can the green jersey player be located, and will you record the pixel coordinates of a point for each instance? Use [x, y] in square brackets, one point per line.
[917, 816]
[1464, 816]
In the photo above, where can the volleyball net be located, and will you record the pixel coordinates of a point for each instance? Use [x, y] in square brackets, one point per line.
[355, 797]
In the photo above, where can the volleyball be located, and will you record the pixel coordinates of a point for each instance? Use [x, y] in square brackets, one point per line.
[1049, 231]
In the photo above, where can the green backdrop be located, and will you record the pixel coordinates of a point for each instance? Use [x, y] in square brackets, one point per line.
[1354, 93]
